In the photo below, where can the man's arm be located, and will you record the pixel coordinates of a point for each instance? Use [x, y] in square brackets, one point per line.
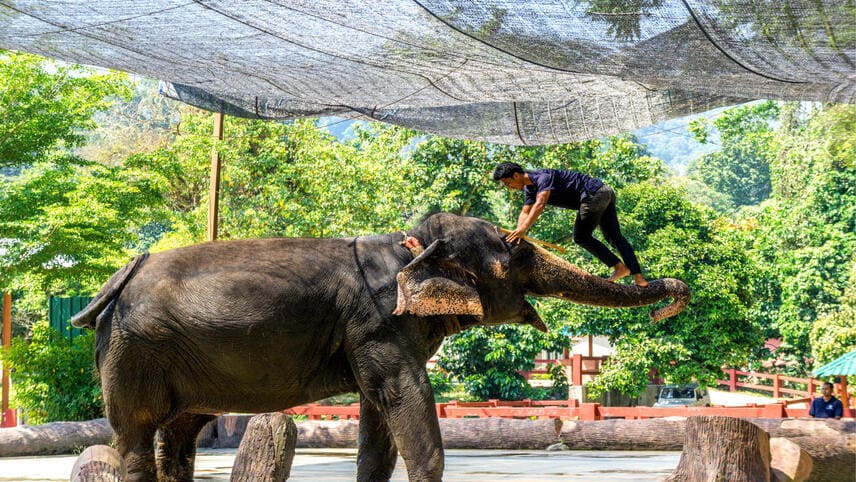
[838, 412]
[528, 216]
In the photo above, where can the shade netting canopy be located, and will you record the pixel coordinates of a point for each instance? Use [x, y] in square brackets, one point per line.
[843, 365]
[512, 71]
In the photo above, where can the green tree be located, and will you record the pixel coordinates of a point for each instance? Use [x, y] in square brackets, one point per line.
[46, 106]
[741, 169]
[806, 235]
[54, 378]
[675, 238]
[67, 224]
[834, 334]
[487, 360]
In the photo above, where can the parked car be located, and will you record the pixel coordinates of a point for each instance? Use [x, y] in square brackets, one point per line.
[682, 395]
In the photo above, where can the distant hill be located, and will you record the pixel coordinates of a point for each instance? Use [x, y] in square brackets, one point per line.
[672, 142]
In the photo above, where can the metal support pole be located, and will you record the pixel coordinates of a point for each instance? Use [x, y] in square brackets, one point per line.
[7, 416]
[214, 188]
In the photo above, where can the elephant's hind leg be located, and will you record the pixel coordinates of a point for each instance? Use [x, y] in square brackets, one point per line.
[377, 454]
[134, 443]
[176, 447]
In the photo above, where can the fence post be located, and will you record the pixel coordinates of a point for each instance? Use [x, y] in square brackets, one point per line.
[590, 411]
[777, 386]
[732, 380]
[774, 410]
[577, 370]
[7, 415]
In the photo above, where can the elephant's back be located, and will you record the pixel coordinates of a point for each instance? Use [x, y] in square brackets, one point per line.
[229, 287]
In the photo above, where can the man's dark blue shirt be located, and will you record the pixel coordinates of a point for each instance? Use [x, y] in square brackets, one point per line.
[567, 188]
[821, 408]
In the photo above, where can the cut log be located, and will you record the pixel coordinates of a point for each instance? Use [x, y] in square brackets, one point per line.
[802, 427]
[788, 461]
[649, 434]
[207, 437]
[98, 463]
[499, 433]
[230, 430]
[457, 433]
[341, 434]
[821, 458]
[723, 448]
[267, 449]
[53, 438]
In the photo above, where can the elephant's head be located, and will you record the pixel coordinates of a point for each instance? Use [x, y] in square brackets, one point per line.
[469, 269]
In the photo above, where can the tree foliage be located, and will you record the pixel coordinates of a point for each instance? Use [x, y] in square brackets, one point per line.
[805, 240]
[741, 169]
[54, 378]
[46, 106]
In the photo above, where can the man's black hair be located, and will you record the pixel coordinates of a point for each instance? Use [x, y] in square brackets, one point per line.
[506, 169]
[831, 386]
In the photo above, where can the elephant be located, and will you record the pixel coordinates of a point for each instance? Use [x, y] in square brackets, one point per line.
[261, 325]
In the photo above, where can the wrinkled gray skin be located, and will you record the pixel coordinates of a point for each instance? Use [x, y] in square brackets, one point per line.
[263, 325]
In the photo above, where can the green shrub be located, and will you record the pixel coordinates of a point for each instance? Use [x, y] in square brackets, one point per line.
[54, 379]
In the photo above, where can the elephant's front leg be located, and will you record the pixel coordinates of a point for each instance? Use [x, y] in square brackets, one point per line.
[398, 385]
[376, 453]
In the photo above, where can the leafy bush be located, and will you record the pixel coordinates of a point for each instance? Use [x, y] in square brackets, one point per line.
[54, 378]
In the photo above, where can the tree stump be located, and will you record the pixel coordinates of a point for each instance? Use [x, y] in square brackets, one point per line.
[98, 463]
[723, 448]
[267, 449]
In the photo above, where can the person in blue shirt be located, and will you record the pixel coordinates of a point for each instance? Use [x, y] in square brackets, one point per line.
[826, 406]
[595, 202]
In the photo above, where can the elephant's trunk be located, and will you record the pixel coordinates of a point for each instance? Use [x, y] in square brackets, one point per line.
[554, 277]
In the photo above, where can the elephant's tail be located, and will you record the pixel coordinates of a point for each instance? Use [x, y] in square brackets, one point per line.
[87, 318]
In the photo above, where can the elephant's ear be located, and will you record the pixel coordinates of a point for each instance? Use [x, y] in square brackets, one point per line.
[436, 285]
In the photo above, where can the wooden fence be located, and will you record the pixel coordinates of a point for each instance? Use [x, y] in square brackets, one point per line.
[800, 389]
[562, 409]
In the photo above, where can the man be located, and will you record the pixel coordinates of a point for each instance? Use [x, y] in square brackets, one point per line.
[573, 190]
[826, 406]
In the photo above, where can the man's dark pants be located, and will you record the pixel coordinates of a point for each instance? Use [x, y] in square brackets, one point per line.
[599, 210]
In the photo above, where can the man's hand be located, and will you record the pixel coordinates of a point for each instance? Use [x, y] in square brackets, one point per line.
[515, 235]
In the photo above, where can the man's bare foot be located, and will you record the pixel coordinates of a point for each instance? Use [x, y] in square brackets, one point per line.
[620, 271]
[640, 280]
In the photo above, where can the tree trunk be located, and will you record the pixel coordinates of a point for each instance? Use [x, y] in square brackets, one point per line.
[815, 458]
[499, 433]
[98, 463]
[618, 434]
[723, 448]
[267, 449]
[53, 438]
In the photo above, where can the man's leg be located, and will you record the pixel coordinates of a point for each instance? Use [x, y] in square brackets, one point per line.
[588, 218]
[612, 233]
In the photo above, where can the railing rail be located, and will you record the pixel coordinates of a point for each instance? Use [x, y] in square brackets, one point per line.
[564, 409]
[737, 379]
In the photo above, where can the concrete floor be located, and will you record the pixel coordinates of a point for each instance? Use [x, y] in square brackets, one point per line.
[328, 465]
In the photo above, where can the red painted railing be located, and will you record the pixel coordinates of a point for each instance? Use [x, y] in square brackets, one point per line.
[778, 389]
[563, 409]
